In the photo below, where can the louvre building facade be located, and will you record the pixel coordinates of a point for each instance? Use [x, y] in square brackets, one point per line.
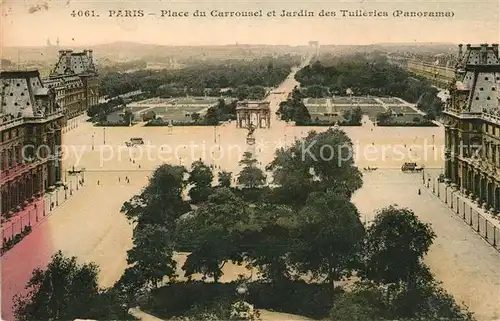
[472, 125]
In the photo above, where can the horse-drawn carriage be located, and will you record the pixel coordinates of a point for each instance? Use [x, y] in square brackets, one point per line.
[411, 167]
[134, 141]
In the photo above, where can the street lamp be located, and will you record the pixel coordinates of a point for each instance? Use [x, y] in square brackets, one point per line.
[215, 134]
[104, 132]
[92, 141]
[57, 196]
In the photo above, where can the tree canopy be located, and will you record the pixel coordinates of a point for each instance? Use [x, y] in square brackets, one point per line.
[316, 163]
[66, 290]
[194, 79]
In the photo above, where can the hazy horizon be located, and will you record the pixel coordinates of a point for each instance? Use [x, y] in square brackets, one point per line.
[247, 44]
[29, 23]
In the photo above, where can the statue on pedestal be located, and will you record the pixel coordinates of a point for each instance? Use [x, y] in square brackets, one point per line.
[250, 136]
[251, 130]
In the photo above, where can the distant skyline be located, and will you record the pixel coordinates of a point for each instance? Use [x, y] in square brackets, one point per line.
[243, 44]
[32, 22]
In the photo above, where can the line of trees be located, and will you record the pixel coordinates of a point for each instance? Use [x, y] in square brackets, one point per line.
[194, 80]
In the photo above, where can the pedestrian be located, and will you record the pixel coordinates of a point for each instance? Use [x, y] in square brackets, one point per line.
[98, 182]
[119, 179]
[139, 166]
[419, 191]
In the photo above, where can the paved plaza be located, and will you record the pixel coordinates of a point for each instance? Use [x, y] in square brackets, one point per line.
[90, 226]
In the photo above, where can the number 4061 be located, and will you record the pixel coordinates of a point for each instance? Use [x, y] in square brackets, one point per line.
[84, 13]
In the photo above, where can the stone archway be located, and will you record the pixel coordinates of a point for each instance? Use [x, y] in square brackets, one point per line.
[253, 112]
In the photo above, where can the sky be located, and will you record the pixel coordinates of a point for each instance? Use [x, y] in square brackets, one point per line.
[32, 22]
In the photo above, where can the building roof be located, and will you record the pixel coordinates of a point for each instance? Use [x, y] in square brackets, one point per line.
[63, 82]
[18, 91]
[478, 72]
[74, 63]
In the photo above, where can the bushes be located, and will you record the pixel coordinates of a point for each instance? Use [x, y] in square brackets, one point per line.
[408, 124]
[177, 298]
[327, 123]
[295, 297]
[9, 243]
[114, 124]
[161, 122]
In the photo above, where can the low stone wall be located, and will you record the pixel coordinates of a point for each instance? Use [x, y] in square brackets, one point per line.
[461, 206]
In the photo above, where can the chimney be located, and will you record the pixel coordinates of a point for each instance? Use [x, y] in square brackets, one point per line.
[484, 53]
[495, 49]
[460, 46]
[90, 56]
[61, 53]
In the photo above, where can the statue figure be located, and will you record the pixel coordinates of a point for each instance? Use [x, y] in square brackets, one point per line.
[251, 130]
